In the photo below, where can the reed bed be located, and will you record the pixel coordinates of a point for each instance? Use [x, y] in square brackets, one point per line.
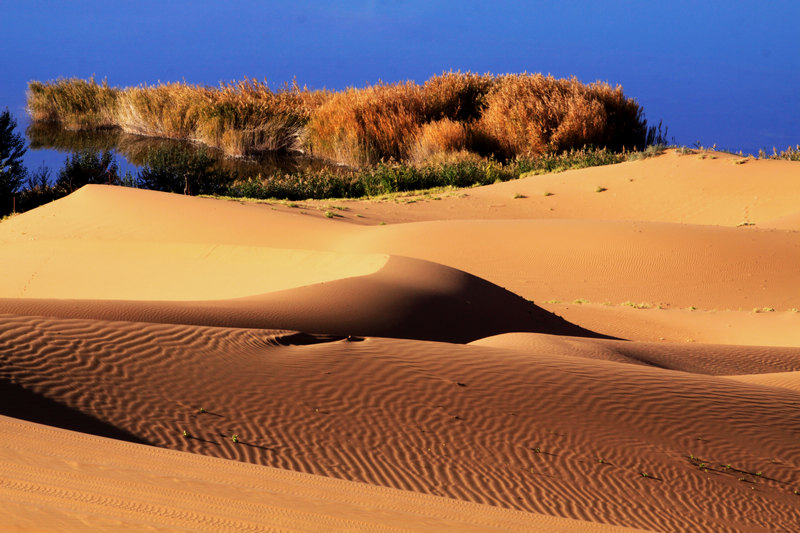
[75, 104]
[451, 117]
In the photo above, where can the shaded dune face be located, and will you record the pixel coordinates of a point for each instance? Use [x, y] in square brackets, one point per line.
[575, 437]
[407, 298]
[21, 402]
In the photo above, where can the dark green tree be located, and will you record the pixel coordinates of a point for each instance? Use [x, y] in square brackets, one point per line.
[12, 172]
[37, 190]
[182, 169]
[87, 167]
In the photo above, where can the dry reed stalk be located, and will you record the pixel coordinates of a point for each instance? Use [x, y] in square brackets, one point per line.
[436, 138]
[171, 110]
[363, 126]
[529, 115]
[75, 103]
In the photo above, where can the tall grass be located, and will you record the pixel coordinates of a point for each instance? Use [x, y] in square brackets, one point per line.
[76, 104]
[361, 127]
[452, 116]
[247, 117]
[528, 115]
[170, 111]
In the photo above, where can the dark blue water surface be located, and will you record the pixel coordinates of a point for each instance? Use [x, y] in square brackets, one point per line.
[725, 73]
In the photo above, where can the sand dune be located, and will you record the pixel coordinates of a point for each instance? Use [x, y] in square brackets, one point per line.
[113, 214]
[666, 264]
[75, 482]
[406, 298]
[711, 188]
[750, 327]
[709, 359]
[334, 348]
[585, 439]
[168, 271]
[610, 261]
[787, 380]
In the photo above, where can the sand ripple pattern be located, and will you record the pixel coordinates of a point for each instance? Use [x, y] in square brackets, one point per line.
[568, 436]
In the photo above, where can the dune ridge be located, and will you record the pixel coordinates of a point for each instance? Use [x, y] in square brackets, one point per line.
[406, 298]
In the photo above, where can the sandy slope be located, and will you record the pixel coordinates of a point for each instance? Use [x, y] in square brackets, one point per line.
[667, 264]
[747, 327]
[711, 188]
[406, 298]
[127, 311]
[610, 261]
[537, 431]
[76, 482]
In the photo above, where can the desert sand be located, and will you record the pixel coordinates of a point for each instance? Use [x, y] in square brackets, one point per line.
[494, 358]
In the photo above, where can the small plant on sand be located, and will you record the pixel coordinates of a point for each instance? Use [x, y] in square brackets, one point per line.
[642, 305]
[329, 214]
[580, 301]
[518, 196]
[651, 151]
[645, 475]
[186, 434]
[600, 189]
[235, 437]
[201, 411]
[548, 193]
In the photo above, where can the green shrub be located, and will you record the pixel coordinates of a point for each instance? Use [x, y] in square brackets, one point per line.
[37, 191]
[182, 169]
[87, 167]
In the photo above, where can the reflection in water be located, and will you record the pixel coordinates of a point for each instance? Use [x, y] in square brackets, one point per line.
[139, 150]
